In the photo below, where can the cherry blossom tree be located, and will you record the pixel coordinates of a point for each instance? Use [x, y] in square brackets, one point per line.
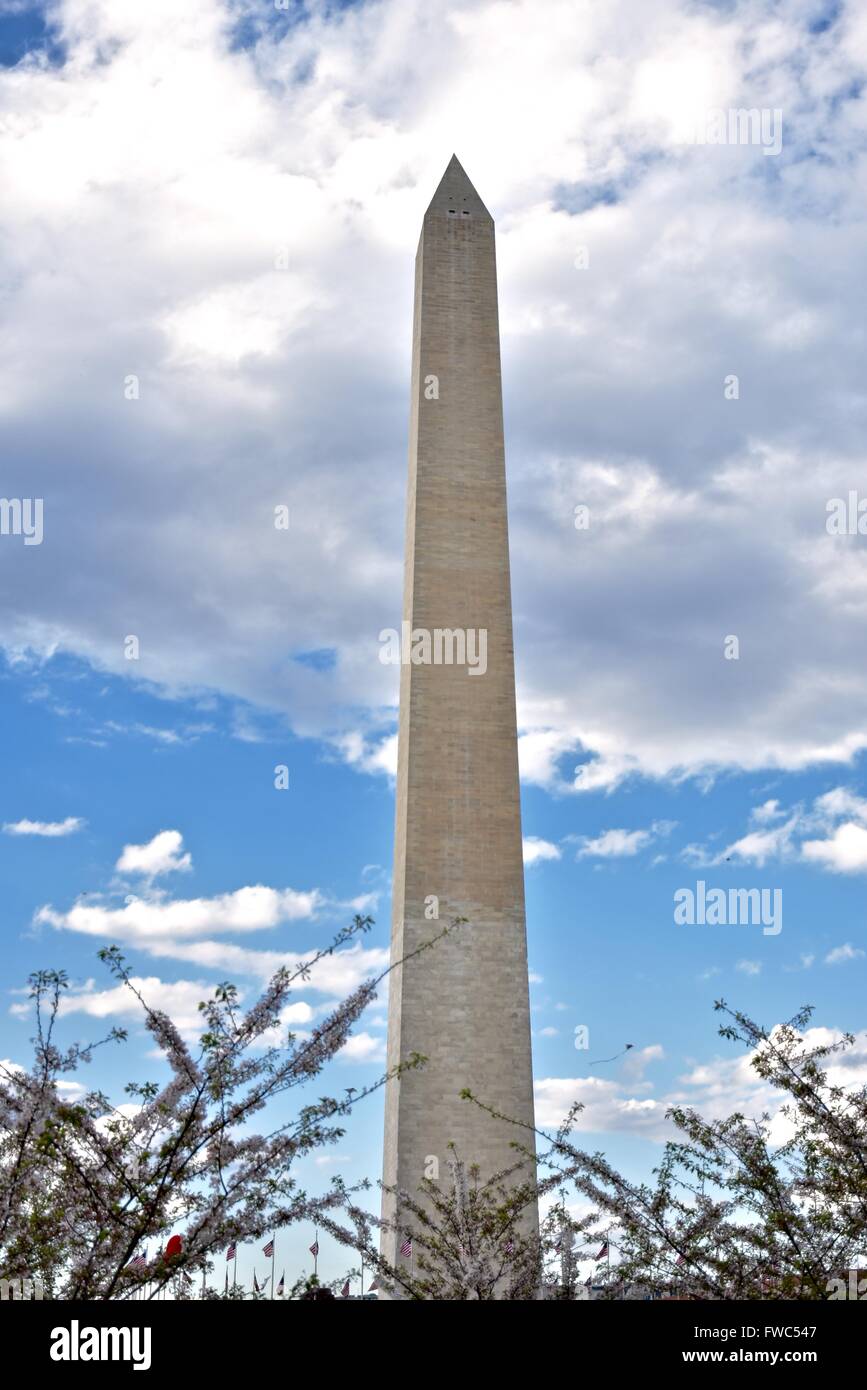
[475, 1239]
[743, 1207]
[89, 1191]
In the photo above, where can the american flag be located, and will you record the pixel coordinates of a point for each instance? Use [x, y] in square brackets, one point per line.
[510, 1247]
[231, 1252]
[406, 1248]
[280, 1285]
[139, 1261]
[256, 1288]
[603, 1253]
[681, 1260]
[344, 1292]
[373, 1286]
[314, 1248]
[268, 1250]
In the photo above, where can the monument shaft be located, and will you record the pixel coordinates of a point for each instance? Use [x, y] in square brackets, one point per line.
[463, 1004]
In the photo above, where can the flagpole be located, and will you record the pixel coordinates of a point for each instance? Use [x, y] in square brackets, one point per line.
[316, 1256]
[235, 1267]
[362, 1275]
[273, 1256]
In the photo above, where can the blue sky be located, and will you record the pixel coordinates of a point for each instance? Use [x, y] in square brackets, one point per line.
[223, 205]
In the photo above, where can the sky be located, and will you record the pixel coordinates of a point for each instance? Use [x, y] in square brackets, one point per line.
[206, 254]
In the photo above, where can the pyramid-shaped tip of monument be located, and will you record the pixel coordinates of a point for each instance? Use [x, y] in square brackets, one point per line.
[455, 195]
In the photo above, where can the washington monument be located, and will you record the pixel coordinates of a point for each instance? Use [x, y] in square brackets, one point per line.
[464, 1003]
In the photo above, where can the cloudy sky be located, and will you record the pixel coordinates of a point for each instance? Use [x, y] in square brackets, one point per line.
[207, 232]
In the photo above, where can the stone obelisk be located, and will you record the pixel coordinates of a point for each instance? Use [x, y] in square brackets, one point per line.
[464, 1003]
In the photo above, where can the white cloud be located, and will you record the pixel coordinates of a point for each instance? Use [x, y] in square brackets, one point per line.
[759, 846]
[807, 959]
[839, 814]
[300, 1012]
[749, 967]
[50, 829]
[144, 923]
[367, 756]
[716, 1089]
[616, 844]
[841, 954]
[536, 849]
[638, 1059]
[613, 844]
[841, 803]
[845, 852]
[337, 974]
[71, 1090]
[362, 1047]
[606, 1107]
[538, 754]
[364, 902]
[166, 736]
[291, 1015]
[161, 855]
[180, 1000]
